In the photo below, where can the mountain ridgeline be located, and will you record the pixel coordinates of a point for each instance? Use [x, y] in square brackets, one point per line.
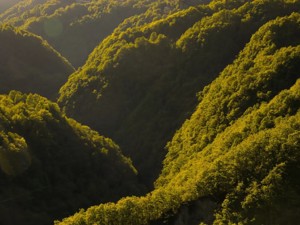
[30, 64]
[198, 103]
[75, 27]
[50, 165]
[237, 158]
[139, 85]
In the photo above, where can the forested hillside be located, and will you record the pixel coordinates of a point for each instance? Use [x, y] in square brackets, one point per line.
[236, 160]
[29, 64]
[75, 28]
[139, 85]
[50, 165]
[198, 102]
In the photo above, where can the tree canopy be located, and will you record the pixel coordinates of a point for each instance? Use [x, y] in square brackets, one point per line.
[51, 165]
[141, 83]
[200, 101]
[238, 152]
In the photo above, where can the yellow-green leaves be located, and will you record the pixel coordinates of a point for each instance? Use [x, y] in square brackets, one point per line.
[15, 158]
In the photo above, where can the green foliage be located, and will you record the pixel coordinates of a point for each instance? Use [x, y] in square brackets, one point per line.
[240, 148]
[52, 165]
[141, 83]
[14, 155]
[232, 97]
[27, 59]
[75, 28]
[235, 159]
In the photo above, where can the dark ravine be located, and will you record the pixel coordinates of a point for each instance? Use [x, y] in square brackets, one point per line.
[75, 28]
[50, 165]
[198, 103]
[29, 64]
[241, 144]
[144, 85]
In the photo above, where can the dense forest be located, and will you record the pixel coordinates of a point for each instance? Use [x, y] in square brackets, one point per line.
[153, 75]
[75, 27]
[183, 112]
[52, 165]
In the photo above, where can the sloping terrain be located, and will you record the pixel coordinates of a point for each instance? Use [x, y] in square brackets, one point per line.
[75, 28]
[50, 165]
[29, 64]
[203, 97]
[236, 160]
[139, 85]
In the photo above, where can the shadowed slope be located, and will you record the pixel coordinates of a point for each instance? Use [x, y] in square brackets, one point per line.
[50, 165]
[138, 86]
[29, 64]
[239, 151]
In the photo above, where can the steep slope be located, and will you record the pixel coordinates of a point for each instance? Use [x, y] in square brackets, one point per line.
[236, 160]
[139, 85]
[50, 165]
[75, 28]
[27, 59]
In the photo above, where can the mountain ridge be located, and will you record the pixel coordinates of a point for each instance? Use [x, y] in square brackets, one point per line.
[140, 81]
[26, 58]
[198, 103]
[225, 165]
